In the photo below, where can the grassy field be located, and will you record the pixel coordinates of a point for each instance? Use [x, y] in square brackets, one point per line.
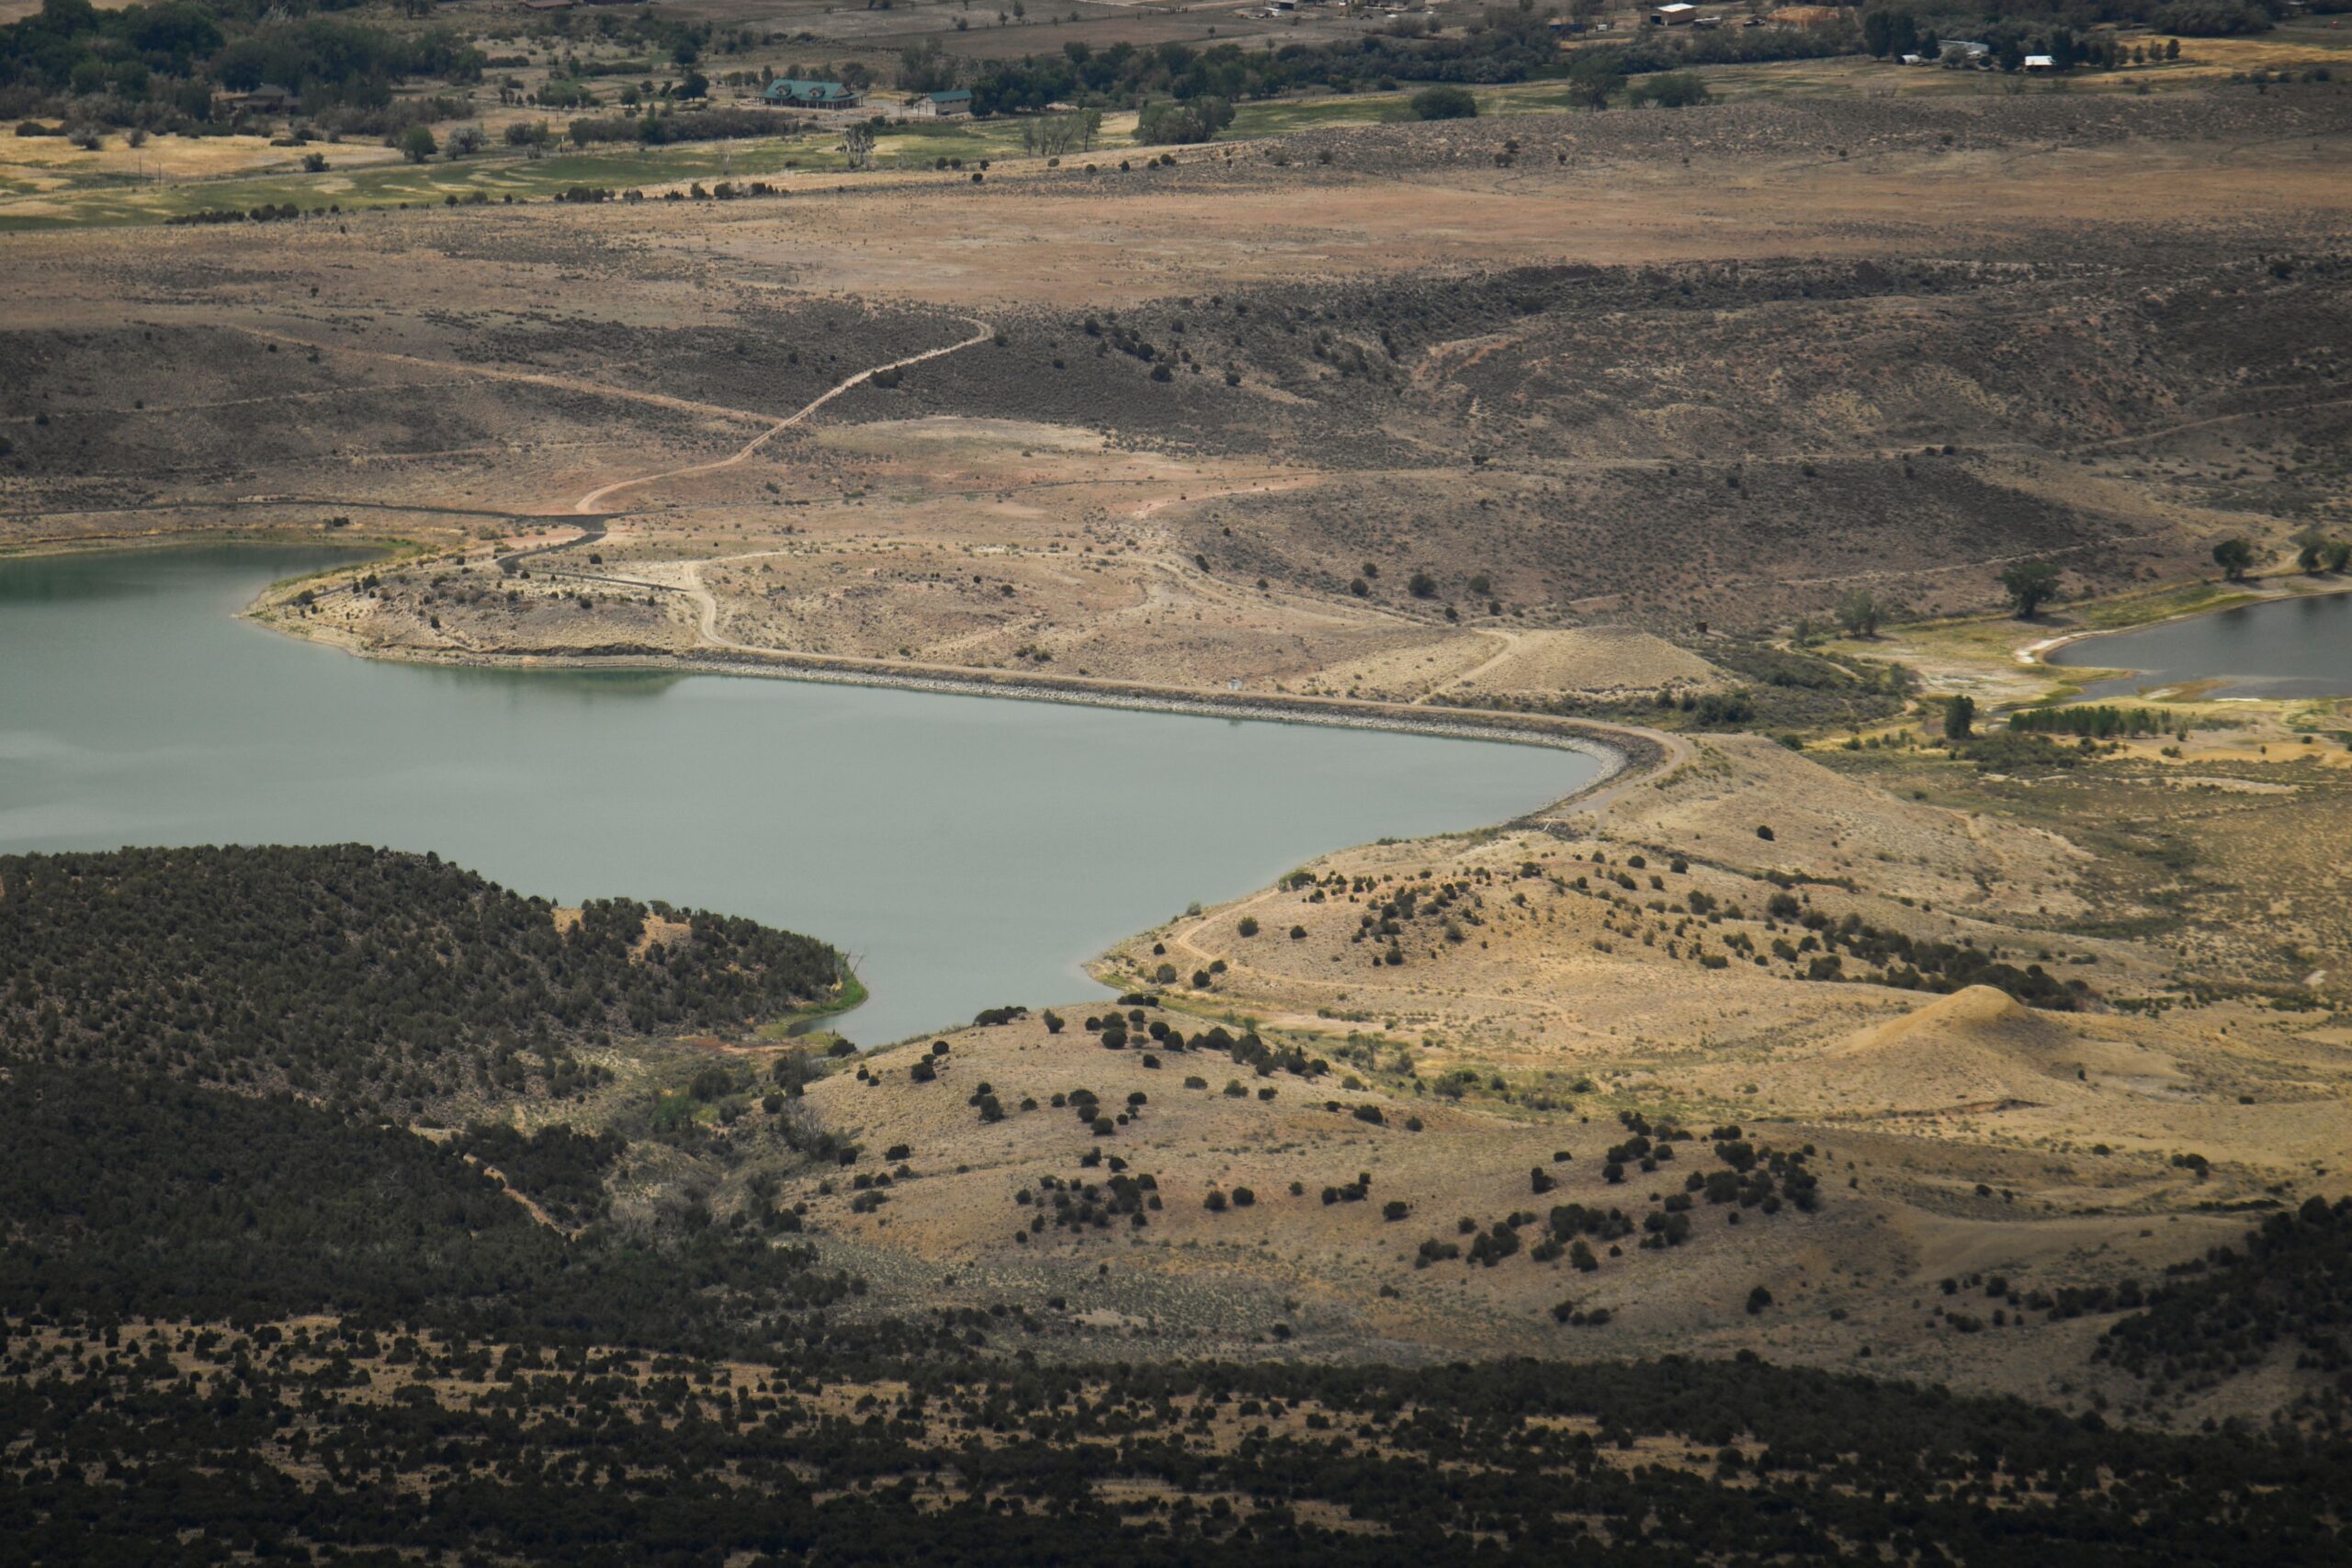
[32, 166]
[409, 185]
[2295, 49]
[103, 195]
[46, 184]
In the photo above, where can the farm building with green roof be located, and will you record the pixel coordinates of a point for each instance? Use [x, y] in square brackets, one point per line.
[790, 92]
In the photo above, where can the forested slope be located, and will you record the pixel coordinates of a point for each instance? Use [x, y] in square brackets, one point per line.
[359, 976]
[237, 1321]
[135, 1196]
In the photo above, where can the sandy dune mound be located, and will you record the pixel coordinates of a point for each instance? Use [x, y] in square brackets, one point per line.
[1975, 1050]
[1977, 1047]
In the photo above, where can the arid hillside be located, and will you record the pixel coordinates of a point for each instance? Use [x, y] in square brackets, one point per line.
[1357, 411]
[1382, 1103]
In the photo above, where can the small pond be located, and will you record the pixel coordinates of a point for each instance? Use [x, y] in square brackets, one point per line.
[2281, 648]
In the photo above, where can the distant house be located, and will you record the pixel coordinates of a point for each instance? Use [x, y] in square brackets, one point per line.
[939, 106]
[2040, 63]
[791, 93]
[1967, 53]
[1676, 14]
[268, 98]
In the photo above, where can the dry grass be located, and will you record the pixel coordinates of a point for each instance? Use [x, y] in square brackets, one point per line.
[1980, 1136]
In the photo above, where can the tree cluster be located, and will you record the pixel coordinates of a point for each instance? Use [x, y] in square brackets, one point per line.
[575, 1456]
[1508, 47]
[362, 976]
[136, 1196]
[2285, 1287]
[2098, 721]
[160, 65]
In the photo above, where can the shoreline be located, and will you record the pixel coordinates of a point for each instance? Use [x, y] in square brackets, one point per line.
[1622, 751]
[2036, 655]
[291, 537]
[1624, 755]
[1619, 749]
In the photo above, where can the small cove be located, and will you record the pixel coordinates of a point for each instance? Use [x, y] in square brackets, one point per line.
[968, 851]
[2280, 648]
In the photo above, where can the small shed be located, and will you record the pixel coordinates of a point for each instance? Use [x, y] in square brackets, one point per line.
[949, 105]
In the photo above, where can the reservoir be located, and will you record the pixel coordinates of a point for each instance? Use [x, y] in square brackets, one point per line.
[966, 851]
[2282, 648]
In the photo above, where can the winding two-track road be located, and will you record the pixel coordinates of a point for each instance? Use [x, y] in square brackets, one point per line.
[1651, 751]
[590, 504]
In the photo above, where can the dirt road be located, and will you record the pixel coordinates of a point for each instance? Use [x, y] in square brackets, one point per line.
[590, 503]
